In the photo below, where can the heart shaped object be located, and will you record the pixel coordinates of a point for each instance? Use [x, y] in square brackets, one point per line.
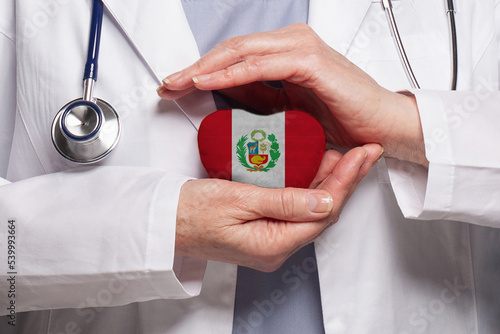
[280, 150]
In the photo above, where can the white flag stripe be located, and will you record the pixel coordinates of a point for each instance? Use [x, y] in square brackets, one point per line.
[244, 123]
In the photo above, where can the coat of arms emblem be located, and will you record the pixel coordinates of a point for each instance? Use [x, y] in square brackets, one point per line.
[260, 153]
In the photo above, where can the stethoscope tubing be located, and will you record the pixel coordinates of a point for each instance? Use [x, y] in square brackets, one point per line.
[91, 65]
[453, 27]
[387, 6]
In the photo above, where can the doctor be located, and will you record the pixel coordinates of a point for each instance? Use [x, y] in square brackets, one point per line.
[413, 251]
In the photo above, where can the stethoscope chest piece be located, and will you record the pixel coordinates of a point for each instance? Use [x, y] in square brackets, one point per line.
[84, 131]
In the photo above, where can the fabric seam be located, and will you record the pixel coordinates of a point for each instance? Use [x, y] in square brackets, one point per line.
[150, 220]
[472, 277]
[31, 141]
[415, 193]
[141, 56]
[181, 270]
[49, 321]
[8, 37]
[483, 51]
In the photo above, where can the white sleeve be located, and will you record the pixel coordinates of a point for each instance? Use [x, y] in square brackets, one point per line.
[462, 135]
[92, 237]
[89, 237]
[7, 85]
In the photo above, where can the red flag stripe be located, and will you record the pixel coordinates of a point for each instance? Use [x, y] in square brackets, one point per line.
[298, 152]
[215, 148]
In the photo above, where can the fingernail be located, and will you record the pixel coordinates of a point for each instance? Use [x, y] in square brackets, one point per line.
[171, 78]
[379, 157]
[319, 203]
[160, 90]
[199, 78]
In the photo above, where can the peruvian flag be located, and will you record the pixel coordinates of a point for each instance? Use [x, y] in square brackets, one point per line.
[280, 150]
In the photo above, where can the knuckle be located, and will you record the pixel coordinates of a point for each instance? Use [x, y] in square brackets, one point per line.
[302, 27]
[228, 75]
[305, 33]
[232, 44]
[199, 65]
[310, 66]
[254, 65]
[312, 57]
[288, 198]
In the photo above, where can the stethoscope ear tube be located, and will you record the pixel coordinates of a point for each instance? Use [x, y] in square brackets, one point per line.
[454, 47]
[387, 6]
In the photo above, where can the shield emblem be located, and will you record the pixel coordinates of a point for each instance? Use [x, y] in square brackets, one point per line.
[253, 147]
[254, 155]
[258, 159]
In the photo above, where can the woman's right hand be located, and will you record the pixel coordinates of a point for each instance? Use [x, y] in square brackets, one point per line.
[261, 227]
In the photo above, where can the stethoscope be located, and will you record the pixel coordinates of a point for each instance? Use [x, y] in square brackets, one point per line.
[387, 6]
[87, 129]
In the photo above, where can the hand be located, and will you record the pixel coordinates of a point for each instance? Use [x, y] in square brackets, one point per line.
[352, 107]
[260, 227]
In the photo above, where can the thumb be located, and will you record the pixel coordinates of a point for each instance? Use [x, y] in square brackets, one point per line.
[290, 204]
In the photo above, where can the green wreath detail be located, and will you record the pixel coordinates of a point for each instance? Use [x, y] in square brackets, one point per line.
[241, 152]
[254, 132]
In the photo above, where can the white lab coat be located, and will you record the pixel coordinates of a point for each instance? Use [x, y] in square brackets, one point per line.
[103, 235]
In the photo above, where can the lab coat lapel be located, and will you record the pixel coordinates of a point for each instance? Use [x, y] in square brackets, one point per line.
[160, 34]
[337, 21]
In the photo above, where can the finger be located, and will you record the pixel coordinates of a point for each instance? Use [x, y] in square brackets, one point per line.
[236, 49]
[339, 184]
[294, 205]
[344, 176]
[347, 180]
[292, 39]
[346, 173]
[269, 243]
[330, 159]
[260, 68]
[168, 94]
[288, 204]
[374, 153]
[273, 67]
